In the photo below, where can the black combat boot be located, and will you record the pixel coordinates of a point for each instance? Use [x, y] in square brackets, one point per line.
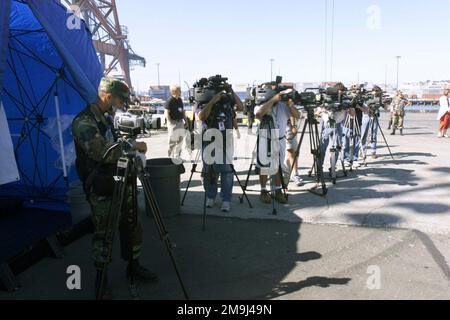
[107, 292]
[136, 272]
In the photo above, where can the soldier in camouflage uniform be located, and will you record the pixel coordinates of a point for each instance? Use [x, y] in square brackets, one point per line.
[94, 134]
[399, 104]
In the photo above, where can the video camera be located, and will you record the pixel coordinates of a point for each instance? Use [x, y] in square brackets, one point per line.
[205, 90]
[335, 101]
[268, 90]
[129, 124]
[375, 103]
[375, 99]
[307, 99]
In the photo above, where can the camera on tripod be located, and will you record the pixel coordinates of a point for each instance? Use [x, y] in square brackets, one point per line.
[375, 100]
[129, 122]
[268, 90]
[375, 104]
[309, 99]
[129, 132]
[335, 101]
[205, 90]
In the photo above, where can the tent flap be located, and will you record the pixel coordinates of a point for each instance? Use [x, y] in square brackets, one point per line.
[75, 47]
[44, 59]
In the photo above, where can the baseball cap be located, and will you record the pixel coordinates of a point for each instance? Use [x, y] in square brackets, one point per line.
[115, 87]
[119, 89]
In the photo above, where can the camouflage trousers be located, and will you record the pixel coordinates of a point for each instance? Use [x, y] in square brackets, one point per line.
[398, 120]
[130, 229]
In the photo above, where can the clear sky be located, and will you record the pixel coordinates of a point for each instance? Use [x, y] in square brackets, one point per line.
[237, 39]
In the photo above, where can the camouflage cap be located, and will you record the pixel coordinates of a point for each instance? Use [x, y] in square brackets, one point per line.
[117, 88]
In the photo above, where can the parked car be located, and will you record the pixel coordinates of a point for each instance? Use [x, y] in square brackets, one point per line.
[160, 113]
[150, 121]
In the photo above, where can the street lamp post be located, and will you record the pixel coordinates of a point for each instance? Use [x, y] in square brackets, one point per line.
[271, 69]
[157, 66]
[398, 70]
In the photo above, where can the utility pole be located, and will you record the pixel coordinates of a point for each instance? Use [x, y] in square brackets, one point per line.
[398, 71]
[326, 41]
[157, 66]
[271, 69]
[332, 42]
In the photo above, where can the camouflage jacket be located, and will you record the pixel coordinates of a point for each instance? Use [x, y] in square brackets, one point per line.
[399, 104]
[93, 136]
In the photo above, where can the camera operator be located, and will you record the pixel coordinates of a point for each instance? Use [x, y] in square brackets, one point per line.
[356, 112]
[279, 113]
[94, 135]
[176, 122]
[327, 131]
[372, 113]
[225, 103]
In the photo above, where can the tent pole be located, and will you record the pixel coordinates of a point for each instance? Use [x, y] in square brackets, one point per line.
[61, 141]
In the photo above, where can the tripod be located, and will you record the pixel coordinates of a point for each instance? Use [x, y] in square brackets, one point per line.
[129, 169]
[207, 176]
[352, 124]
[312, 124]
[272, 179]
[374, 125]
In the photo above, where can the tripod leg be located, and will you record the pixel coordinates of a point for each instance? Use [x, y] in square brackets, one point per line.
[357, 140]
[112, 223]
[341, 155]
[207, 182]
[161, 227]
[249, 173]
[135, 210]
[242, 187]
[384, 137]
[272, 187]
[245, 186]
[341, 151]
[297, 152]
[365, 142]
[352, 142]
[316, 146]
[194, 168]
[333, 153]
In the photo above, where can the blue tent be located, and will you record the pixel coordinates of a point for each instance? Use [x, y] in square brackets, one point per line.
[49, 72]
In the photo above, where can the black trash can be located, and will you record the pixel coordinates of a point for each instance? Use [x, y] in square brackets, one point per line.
[165, 182]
